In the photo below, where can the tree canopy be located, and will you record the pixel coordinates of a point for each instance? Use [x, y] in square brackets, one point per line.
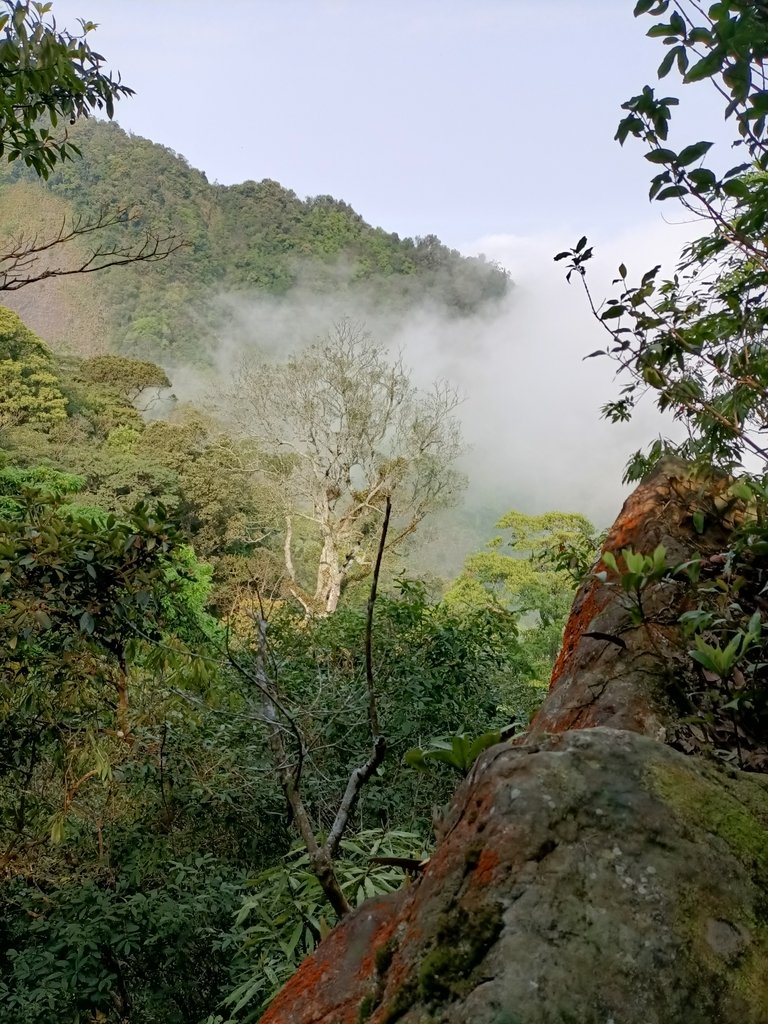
[47, 75]
[343, 428]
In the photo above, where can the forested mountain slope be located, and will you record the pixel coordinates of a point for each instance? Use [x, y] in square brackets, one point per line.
[247, 239]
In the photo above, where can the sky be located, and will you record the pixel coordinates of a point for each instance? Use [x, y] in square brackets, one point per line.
[462, 118]
[489, 123]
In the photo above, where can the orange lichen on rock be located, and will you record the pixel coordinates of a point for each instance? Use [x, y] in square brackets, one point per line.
[486, 865]
[339, 974]
[587, 607]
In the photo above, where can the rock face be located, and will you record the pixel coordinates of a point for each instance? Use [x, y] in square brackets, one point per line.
[588, 875]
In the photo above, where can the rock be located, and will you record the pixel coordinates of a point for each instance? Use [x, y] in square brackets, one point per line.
[608, 673]
[597, 875]
[588, 874]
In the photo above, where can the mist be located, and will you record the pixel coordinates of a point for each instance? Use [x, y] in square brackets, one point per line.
[531, 402]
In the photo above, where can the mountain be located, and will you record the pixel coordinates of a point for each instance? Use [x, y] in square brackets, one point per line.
[246, 240]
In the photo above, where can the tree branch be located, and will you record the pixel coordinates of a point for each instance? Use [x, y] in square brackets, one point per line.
[373, 717]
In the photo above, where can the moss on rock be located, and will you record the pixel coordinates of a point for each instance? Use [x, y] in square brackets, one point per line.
[732, 806]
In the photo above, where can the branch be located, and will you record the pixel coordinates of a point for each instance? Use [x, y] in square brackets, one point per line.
[262, 682]
[287, 549]
[17, 266]
[373, 717]
[357, 780]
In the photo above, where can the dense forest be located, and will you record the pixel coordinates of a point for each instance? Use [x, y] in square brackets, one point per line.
[235, 704]
[210, 721]
[246, 240]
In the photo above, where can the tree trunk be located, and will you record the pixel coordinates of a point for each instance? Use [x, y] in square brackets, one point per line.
[330, 577]
[589, 871]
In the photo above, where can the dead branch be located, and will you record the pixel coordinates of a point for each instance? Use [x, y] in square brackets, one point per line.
[373, 717]
[18, 265]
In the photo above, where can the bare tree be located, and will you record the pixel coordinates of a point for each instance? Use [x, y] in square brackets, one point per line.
[342, 428]
[27, 259]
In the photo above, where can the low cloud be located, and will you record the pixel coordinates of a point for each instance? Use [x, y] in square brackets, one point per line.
[531, 414]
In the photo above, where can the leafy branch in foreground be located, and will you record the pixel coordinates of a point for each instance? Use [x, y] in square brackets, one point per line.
[47, 74]
[697, 341]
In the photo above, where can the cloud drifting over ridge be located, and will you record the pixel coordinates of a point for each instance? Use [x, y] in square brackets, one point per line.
[532, 411]
[531, 414]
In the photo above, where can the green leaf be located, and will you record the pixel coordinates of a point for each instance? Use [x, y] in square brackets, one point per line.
[661, 156]
[672, 192]
[700, 35]
[666, 65]
[414, 758]
[702, 178]
[706, 67]
[690, 154]
[609, 559]
[657, 31]
[741, 489]
[736, 188]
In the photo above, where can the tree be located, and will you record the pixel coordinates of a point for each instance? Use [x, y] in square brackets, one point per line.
[530, 569]
[697, 341]
[342, 427]
[133, 379]
[46, 75]
[30, 388]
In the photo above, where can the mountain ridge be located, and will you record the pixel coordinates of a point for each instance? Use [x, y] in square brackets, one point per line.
[256, 238]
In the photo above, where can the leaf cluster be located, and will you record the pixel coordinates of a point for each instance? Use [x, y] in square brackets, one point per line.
[47, 74]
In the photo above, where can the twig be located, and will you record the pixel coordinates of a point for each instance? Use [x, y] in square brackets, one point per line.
[373, 717]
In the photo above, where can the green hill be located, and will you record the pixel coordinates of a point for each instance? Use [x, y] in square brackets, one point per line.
[255, 238]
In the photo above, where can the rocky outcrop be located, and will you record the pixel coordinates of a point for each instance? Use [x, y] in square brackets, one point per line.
[589, 874]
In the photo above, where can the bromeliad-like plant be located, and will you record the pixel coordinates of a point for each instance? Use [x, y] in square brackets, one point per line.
[459, 751]
[641, 571]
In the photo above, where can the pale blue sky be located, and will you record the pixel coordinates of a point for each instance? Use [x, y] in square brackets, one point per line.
[487, 122]
[460, 117]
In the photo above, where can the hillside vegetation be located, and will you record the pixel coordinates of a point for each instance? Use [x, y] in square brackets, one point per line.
[255, 238]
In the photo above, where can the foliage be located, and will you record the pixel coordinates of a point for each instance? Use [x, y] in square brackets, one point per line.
[30, 388]
[47, 74]
[530, 570]
[89, 950]
[453, 669]
[720, 648]
[641, 571]
[124, 756]
[458, 752]
[287, 913]
[129, 377]
[697, 340]
[65, 577]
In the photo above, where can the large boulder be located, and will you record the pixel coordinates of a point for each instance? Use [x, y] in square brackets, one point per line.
[590, 873]
[597, 876]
